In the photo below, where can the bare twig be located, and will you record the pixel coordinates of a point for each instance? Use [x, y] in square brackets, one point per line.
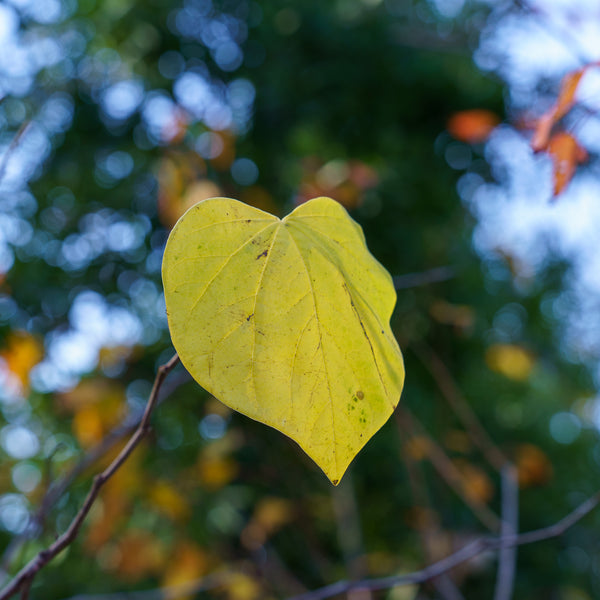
[435, 275]
[453, 560]
[507, 557]
[25, 576]
[446, 469]
[430, 531]
[460, 406]
[58, 488]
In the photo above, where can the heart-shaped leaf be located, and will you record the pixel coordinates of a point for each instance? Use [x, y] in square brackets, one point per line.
[286, 321]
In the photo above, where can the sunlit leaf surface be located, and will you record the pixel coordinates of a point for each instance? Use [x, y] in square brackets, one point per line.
[286, 321]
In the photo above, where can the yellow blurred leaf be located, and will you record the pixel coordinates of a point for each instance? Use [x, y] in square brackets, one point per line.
[216, 471]
[98, 406]
[164, 496]
[418, 447]
[22, 352]
[476, 484]
[403, 592]
[571, 592]
[242, 587]
[188, 562]
[286, 321]
[87, 426]
[269, 516]
[510, 360]
[138, 554]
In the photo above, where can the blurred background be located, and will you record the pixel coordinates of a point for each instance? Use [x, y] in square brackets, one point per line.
[462, 135]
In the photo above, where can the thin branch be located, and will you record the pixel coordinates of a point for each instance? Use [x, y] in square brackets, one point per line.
[446, 469]
[430, 531]
[435, 275]
[453, 560]
[507, 558]
[58, 488]
[460, 406]
[25, 576]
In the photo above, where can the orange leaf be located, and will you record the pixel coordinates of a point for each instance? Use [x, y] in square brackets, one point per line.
[566, 96]
[542, 130]
[566, 153]
[533, 466]
[564, 103]
[472, 126]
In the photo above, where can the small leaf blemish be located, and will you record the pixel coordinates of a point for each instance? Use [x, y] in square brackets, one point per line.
[262, 254]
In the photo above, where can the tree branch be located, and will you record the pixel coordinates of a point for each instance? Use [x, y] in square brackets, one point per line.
[453, 560]
[446, 469]
[435, 275]
[507, 558]
[460, 406]
[430, 530]
[58, 488]
[22, 581]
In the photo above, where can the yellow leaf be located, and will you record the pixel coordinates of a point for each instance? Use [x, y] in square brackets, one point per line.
[87, 426]
[98, 405]
[137, 555]
[188, 563]
[169, 501]
[23, 351]
[243, 587]
[269, 516]
[510, 360]
[286, 321]
[216, 471]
